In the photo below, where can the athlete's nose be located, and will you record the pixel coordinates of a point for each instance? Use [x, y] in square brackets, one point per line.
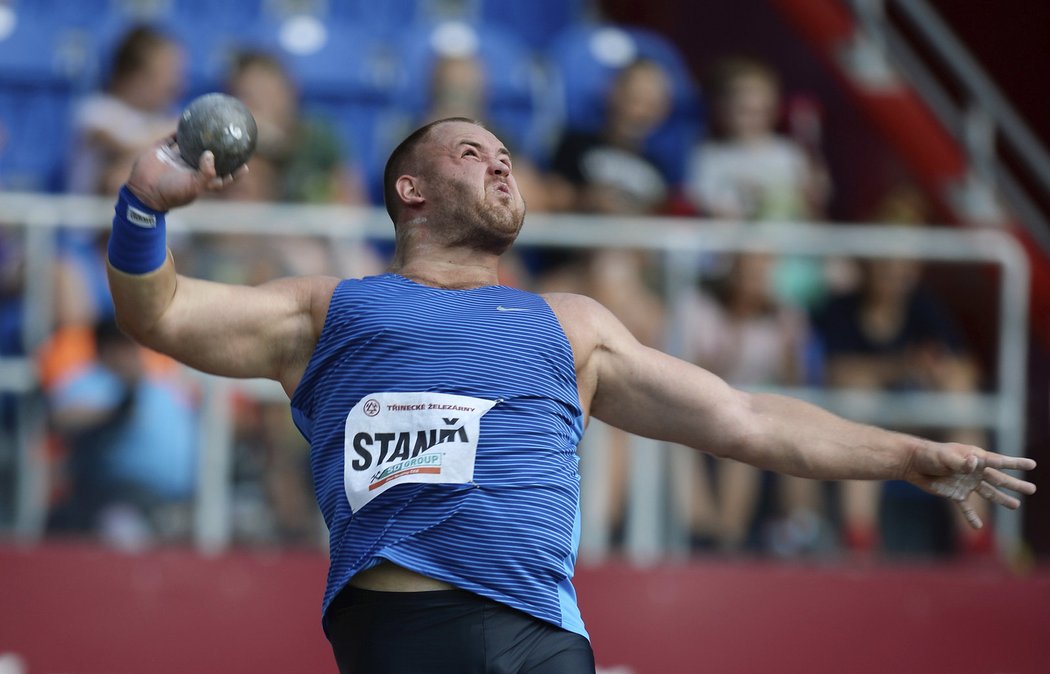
[499, 167]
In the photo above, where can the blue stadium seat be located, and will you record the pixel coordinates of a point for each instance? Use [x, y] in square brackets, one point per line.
[330, 60]
[42, 64]
[227, 14]
[34, 137]
[39, 49]
[90, 14]
[65, 12]
[385, 18]
[586, 59]
[537, 22]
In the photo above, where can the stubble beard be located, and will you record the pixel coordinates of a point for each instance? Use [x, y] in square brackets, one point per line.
[479, 224]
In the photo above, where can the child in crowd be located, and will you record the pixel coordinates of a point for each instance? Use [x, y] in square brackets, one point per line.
[746, 171]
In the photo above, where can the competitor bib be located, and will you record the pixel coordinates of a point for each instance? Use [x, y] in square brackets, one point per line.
[400, 438]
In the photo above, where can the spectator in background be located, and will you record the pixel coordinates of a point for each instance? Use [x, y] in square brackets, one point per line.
[297, 159]
[892, 335]
[607, 173]
[738, 331]
[131, 436]
[747, 171]
[136, 108]
[457, 89]
[110, 128]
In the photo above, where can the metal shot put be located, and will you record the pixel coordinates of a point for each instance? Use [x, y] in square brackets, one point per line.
[219, 123]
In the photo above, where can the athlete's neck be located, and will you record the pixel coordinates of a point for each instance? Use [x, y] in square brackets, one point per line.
[443, 267]
[447, 273]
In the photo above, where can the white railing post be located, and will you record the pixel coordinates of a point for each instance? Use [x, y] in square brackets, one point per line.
[212, 508]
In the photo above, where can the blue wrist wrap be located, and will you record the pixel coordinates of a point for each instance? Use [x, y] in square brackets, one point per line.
[138, 243]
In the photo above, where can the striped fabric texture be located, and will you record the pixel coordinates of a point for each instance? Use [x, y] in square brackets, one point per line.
[510, 533]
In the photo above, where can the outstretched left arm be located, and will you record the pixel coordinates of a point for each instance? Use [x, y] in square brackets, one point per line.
[815, 443]
[649, 393]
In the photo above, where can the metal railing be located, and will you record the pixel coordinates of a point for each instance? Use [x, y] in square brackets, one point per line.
[681, 242]
[981, 122]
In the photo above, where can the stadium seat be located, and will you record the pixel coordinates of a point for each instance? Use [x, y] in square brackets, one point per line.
[585, 59]
[90, 14]
[42, 64]
[536, 22]
[386, 18]
[330, 60]
[227, 14]
[37, 49]
[62, 12]
[34, 137]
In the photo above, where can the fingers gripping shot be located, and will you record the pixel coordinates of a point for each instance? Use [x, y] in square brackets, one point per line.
[443, 426]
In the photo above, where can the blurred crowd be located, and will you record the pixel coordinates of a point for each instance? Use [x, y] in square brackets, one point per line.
[123, 443]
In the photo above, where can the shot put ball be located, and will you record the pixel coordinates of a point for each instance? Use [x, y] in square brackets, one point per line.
[219, 123]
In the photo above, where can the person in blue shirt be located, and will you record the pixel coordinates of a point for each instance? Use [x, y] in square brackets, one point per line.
[131, 436]
[442, 409]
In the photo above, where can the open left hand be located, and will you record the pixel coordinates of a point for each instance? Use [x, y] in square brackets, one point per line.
[163, 180]
[957, 472]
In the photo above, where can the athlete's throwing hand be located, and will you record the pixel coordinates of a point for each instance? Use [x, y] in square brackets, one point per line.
[163, 180]
[957, 472]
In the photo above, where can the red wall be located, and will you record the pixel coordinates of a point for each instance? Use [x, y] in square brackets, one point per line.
[79, 610]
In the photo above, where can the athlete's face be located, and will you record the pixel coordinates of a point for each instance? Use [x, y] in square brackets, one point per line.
[469, 182]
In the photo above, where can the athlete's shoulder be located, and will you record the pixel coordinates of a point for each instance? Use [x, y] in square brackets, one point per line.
[577, 308]
[354, 284]
[586, 321]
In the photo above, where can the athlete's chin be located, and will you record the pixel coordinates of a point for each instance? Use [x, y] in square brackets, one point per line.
[500, 233]
[506, 219]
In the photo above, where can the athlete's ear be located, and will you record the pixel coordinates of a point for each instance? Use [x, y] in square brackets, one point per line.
[408, 192]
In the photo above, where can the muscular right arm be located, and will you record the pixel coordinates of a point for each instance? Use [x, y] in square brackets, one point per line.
[235, 331]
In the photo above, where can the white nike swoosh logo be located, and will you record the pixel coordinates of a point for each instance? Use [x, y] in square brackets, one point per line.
[503, 308]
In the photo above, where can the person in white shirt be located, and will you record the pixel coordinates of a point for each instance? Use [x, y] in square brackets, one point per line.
[746, 170]
[137, 106]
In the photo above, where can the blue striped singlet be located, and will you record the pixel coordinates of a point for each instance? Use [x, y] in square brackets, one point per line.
[443, 427]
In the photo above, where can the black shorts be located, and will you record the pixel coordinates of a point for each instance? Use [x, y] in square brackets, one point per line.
[447, 632]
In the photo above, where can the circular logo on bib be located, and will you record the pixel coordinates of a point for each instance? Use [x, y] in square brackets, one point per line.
[371, 407]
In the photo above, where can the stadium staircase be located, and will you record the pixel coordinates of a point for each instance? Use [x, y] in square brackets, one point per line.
[934, 104]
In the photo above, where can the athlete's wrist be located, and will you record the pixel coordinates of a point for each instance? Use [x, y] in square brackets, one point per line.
[138, 241]
[145, 198]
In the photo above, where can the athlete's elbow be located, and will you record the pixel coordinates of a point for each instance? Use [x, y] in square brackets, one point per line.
[128, 323]
[739, 432]
[144, 331]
